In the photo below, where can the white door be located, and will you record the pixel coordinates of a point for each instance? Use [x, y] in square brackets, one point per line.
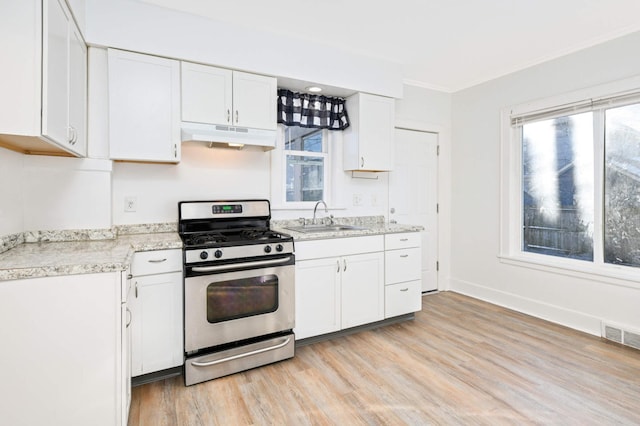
[413, 194]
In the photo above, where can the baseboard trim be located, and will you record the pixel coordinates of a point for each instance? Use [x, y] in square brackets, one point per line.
[552, 313]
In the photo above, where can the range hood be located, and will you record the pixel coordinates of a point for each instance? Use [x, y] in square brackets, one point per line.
[227, 136]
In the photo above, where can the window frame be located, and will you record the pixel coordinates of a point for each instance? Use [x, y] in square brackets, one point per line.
[279, 163]
[511, 251]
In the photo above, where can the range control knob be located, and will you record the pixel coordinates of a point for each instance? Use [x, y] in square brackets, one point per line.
[218, 254]
[204, 255]
[267, 249]
[279, 247]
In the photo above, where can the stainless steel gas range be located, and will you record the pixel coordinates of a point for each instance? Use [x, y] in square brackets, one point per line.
[238, 288]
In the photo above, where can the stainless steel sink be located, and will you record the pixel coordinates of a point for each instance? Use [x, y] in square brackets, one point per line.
[325, 228]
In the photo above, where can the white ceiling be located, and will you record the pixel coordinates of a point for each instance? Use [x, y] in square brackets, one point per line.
[442, 44]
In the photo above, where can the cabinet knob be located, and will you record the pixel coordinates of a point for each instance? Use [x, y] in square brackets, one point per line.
[236, 116]
[361, 162]
[228, 115]
[338, 263]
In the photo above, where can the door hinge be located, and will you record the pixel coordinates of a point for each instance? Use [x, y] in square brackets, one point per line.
[437, 265]
[437, 207]
[438, 150]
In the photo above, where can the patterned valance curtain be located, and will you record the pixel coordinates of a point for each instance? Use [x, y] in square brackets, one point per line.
[315, 111]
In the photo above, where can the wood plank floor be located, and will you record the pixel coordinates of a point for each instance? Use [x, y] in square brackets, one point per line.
[461, 361]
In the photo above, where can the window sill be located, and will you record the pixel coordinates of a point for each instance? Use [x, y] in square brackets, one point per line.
[622, 276]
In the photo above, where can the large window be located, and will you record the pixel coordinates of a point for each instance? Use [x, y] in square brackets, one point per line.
[571, 182]
[306, 167]
[557, 186]
[622, 186]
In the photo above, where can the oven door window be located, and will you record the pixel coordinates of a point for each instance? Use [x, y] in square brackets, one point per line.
[233, 299]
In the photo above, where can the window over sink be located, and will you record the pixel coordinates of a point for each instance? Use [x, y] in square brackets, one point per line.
[306, 158]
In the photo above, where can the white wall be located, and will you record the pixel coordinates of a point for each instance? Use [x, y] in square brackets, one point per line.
[66, 193]
[11, 192]
[476, 270]
[146, 28]
[209, 174]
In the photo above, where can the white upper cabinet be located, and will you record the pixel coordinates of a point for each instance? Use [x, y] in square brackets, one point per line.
[213, 95]
[45, 90]
[368, 141]
[144, 107]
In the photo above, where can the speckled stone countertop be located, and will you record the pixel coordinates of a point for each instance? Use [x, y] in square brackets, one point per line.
[373, 225]
[80, 252]
[70, 252]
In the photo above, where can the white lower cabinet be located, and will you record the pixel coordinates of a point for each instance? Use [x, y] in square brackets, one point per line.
[317, 297]
[63, 352]
[402, 298]
[402, 270]
[156, 307]
[338, 292]
[362, 289]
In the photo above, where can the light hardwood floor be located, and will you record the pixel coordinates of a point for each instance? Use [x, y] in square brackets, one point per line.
[461, 361]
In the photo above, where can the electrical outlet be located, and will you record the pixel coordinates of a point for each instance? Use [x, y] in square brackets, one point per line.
[357, 199]
[130, 204]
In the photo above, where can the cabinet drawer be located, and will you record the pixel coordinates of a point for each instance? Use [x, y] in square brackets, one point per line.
[402, 265]
[404, 240]
[402, 298]
[156, 262]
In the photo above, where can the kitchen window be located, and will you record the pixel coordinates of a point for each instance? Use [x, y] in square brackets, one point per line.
[306, 164]
[571, 182]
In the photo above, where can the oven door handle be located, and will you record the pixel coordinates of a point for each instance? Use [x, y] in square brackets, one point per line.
[243, 265]
[234, 357]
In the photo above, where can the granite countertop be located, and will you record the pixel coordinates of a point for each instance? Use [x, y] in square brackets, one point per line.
[83, 256]
[70, 252]
[373, 225]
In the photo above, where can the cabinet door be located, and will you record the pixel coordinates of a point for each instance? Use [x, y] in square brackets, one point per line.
[254, 101]
[63, 332]
[206, 94]
[157, 323]
[377, 118]
[55, 82]
[77, 92]
[368, 142]
[144, 107]
[362, 289]
[317, 297]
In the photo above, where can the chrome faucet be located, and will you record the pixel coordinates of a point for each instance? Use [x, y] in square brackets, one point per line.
[326, 210]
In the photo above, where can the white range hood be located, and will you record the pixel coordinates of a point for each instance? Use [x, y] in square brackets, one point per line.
[227, 136]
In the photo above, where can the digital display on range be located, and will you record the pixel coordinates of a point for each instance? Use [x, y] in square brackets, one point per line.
[226, 208]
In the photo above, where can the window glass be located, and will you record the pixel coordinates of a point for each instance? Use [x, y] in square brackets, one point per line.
[622, 186]
[557, 186]
[305, 162]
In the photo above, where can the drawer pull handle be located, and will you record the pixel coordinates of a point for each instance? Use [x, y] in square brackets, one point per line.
[404, 289]
[404, 239]
[157, 260]
[404, 255]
